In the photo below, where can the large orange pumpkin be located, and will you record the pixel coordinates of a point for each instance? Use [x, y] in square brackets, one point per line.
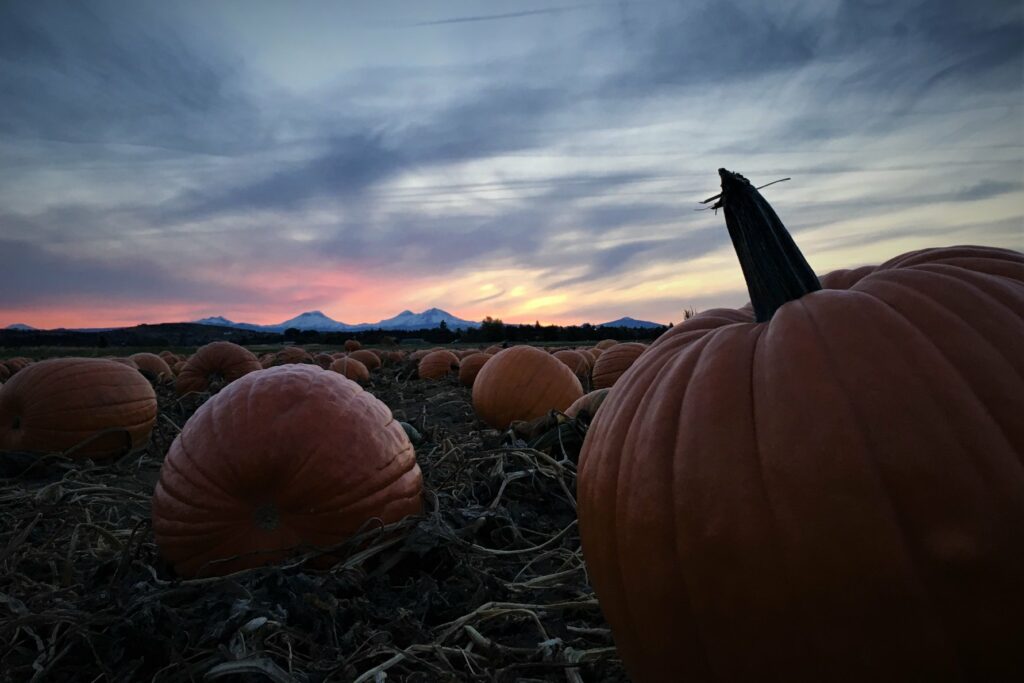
[437, 365]
[522, 383]
[57, 404]
[828, 488]
[281, 460]
[219, 361]
[614, 361]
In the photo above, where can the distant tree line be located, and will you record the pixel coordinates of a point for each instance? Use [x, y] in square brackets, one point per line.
[166, 335]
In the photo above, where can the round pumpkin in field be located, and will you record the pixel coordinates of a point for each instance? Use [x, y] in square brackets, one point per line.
[352, 345]
[367, 358]
[826, 485]
[523, 383]
[493, 349]
[614, 361]
[4, 372]
[575, 361]
[469, 368]
[586, 405]
[96, 406]
[279, 462]
[605, 344]
[153, 367]
[217, 363]
[437, 365]
[352, 369]
[291, 355]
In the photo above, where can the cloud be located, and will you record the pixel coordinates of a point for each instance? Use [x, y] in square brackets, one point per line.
[80, 73]
[34, 276]
[499, 17]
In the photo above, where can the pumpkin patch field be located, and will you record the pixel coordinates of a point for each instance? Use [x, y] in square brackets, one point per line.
[107, 571]
[823, 485]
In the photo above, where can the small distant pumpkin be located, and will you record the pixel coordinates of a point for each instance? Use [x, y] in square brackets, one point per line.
[605, 344]
[292, 355]
[324, 360]
[281, 461]
[469, 367]
[153, 367]
[219, 362]
[614, 361]
[99, 407]
[523, 383]
[575, 361]
[437, 365]
[353, 345]
[367, 358]
[352, 369]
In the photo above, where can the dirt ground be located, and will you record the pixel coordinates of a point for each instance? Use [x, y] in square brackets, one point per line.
[488, 585]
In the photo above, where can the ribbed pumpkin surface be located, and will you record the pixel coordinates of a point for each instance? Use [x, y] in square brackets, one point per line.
[523, 383]
[834, 494]
[282, 458]
[53, 405]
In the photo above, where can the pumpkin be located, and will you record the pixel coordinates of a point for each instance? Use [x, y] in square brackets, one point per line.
[352, 369]
[124, 360]
[152, 366]
[4, 373]
[290, 355]
[324, 360]
[614, 361]
[418, 354]
[394, 356]
[352, 345]
[437, 365]
[493, 349]
[217, 362]
[18, 363]
[522, 383]
[170, 357]
[102, 407]
[586, 405]
[575, 361]
[367, 358]
[277, 462]
[827, 485]
[469, 368]
[605, 344]
[178, 367]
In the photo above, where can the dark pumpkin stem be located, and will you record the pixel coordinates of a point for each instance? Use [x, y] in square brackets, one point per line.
[775, 270]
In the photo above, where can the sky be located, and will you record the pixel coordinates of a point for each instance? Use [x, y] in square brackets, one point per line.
[525, 160]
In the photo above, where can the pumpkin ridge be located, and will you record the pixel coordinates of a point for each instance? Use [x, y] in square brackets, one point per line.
[365, 499]
[950, 366]
[912, 566]
[211, 482]
[187, 502]
[359, 495]
[91, 408]
[680, 359]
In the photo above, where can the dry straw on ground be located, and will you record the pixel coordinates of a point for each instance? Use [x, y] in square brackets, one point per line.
[488, 585]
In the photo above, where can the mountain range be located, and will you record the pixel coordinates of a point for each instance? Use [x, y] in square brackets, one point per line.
[316, 320]
[406, 320]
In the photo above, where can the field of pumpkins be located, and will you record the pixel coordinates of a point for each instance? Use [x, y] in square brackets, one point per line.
[824, 485]
[306, 514]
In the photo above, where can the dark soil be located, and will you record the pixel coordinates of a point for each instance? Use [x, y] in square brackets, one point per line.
[488, 585]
